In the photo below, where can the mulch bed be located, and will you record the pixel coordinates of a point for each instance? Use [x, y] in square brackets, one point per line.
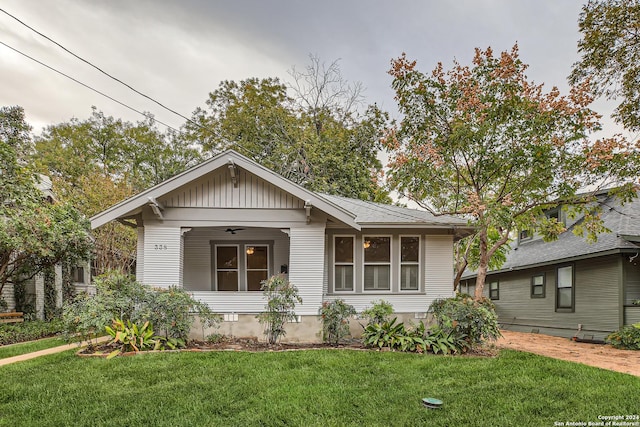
[255, 346]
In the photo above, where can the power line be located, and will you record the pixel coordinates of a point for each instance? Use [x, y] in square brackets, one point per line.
[88, 87]
[99, 69]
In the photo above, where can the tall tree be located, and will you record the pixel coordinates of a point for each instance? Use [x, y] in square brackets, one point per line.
[315, 136]
[484, 142]
[35, 233]
[100, 161]
[610, 55]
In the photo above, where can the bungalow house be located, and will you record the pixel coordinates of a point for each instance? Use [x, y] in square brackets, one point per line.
[222, 227]
[569, 287]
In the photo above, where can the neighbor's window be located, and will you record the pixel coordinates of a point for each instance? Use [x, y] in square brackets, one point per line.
[564, 288]
[78, 274]
[494, 290]
[343, 247]
[409, 263]
[257, 263]
[227, 268]
[537, 286]
[377, 263]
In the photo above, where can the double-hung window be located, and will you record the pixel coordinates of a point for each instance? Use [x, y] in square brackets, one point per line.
[343, 256]
[257, 266]
[377, 263]
[564, 288]
[227, 271]
[409, 263]
[537, 286]
[494, 290]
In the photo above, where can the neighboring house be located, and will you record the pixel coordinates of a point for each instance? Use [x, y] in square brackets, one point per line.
[35, 286]
[569, 287]
[222, 227]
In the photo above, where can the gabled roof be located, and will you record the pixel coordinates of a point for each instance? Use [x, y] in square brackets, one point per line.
[370, 214]
[133, 204]
[623, 221]
[351, 212]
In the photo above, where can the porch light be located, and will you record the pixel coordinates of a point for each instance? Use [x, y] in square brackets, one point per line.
[366, 244]
[250, 250]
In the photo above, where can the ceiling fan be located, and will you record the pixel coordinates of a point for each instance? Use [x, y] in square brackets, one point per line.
[233, 230]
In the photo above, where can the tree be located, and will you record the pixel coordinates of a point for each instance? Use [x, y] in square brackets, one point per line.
[483, 142]
[315, 137]
[610, 55]
[98, 162]
[35, 233]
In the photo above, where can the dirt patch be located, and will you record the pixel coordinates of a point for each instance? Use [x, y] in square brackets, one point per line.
[598, 355]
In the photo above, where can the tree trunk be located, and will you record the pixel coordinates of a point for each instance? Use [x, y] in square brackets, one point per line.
[483, 264]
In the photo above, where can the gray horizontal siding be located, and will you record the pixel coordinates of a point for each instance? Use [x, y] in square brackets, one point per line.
[596, 298]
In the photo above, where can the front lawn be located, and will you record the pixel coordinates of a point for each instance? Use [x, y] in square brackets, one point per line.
[324, 387]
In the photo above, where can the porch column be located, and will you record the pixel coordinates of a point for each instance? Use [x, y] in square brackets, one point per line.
[162, 256]
[58, 285]
[39, 297]
[306, 265]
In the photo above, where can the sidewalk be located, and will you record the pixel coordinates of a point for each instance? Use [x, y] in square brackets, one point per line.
[45, 352]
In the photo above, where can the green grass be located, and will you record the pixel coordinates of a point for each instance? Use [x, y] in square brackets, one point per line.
[326, 387]
[30, 347]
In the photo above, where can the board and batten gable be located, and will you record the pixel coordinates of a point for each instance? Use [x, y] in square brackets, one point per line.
[217, 190]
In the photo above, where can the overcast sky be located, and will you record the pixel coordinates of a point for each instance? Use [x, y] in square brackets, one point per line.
[177, 52]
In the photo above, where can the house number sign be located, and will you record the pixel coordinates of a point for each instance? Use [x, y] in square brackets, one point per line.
[160, 247]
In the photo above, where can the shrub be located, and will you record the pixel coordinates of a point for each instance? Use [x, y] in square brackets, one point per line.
[170, 311]
[29, 331]
[3, 305]
[119, 296]
[281, 298]
[379, 312]
[335, 320]
[462, 316]
[626, 338]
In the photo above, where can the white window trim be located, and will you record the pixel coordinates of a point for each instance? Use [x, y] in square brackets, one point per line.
[400, 263]
[352, 264]
[390, 264]
[215, 257]
[246, 261]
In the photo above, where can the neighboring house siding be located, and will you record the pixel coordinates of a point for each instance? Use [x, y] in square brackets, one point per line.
[596, 300]
[7, 295]
[162, 258]
[307, 265]
[217, 190]
[632, 289]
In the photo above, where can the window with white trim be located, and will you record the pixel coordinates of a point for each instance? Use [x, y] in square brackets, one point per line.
[409, 263]
[257, 266]
[343, 263]
[377, 263]
[227, 271]
[538, 286]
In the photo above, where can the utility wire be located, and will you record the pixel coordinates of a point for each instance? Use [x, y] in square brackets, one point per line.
[88, 87]
[101, 70]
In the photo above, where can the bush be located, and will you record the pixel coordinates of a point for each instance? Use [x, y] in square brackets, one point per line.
[281, 298]
[396, 336]
[626, 338]
[119, 296]
[379, 312]
[29, 331]
[462, 316]
[335, 320]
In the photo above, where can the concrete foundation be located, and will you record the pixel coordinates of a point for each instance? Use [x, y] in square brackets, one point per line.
[307, 330]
